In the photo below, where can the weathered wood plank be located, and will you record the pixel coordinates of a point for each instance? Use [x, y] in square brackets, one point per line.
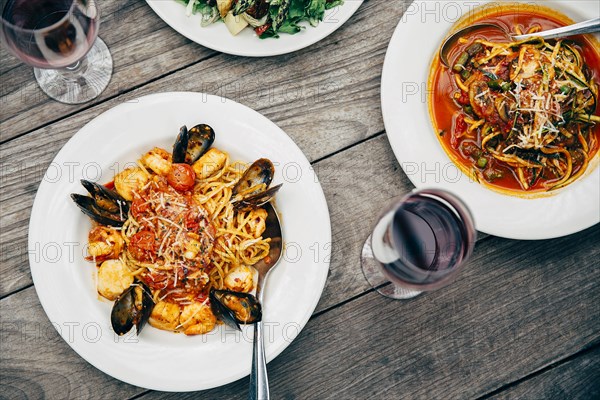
[518, 307]
[36, 363]
[339, 75]
[577, 379]
[20, 183]
[324, 115]
[143, 48]
[353, 209]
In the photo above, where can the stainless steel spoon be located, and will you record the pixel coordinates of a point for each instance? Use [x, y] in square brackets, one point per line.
[590, 26]
[259, 381]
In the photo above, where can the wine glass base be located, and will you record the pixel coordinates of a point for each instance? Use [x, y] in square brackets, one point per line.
[82, 82]
[372, 271]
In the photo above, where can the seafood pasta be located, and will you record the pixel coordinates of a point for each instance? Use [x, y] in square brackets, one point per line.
[519, 116]
[176, 239]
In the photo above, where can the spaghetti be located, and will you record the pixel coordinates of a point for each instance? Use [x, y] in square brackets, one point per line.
[523, 113]
[182, 243]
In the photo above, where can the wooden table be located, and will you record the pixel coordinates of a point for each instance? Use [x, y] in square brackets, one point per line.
[521, 321]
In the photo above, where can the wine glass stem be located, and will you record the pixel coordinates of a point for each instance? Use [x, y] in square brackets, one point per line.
[79, 82]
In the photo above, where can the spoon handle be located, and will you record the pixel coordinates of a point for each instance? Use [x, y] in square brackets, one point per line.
[259, 381]
[590, 26]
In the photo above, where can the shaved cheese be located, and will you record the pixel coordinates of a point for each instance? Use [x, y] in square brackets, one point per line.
[482, 94]
[163, 242]
[193, 315]
[170, 222]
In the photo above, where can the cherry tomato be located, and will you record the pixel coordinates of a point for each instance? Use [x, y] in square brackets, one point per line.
[459, 127]
[181, 177]
[262, 29]
[191, 221]
[138, 206]
[155, 279]
[463, 99]
[142, 246]
[201, 297]
[460, 124]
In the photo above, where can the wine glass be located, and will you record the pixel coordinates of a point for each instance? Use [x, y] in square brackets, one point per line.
[418, 244]
[59, 39]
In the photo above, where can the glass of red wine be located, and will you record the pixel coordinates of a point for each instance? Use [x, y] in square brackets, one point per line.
[418, 244]
[59, 39]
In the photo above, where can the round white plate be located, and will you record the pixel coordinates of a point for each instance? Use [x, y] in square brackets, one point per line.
[247, 43]
[65, 282]
[410, 132]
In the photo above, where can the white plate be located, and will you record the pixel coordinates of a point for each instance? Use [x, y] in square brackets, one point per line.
[410, 132]
[65, 283]
[247, 43]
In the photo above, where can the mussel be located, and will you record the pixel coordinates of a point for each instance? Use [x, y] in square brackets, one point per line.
[191, 144]
[250, 186]
[235, 308]
[132, 307]
[104, 206]
[256, 200]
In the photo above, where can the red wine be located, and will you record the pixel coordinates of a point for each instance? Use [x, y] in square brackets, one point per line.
[423, 240]
[49, 33]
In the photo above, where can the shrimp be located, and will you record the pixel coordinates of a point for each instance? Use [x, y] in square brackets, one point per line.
[104, 243]
[197, 319]
[240, 279]
[158, 160]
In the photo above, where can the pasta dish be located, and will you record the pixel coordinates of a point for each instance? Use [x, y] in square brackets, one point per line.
[175, 233]
[519, 115]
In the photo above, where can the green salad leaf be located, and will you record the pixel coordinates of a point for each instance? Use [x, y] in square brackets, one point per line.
[284, 16]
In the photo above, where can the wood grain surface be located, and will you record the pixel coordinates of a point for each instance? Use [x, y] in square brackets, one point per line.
[522, 320]
[503, 317]
[284, 86]
[576, 379]
[325, 116]
[127, 26]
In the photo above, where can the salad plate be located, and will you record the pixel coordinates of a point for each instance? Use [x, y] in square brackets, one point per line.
[408, 123]
[216, 36]
[66, 283]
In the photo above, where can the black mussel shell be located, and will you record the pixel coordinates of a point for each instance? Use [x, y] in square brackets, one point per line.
[105, 206]
[202, 137]
[107, 199]
[180, 146]
[261, 171]
[234, 308]
[132, 307]
[191, 144]
[256, 200]
[89, 207]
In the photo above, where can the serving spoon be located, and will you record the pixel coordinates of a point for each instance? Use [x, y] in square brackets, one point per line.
[259, 381]
[590, 26]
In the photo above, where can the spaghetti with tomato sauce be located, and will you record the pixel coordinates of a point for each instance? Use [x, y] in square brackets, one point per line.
[182, 237]
[518, 116]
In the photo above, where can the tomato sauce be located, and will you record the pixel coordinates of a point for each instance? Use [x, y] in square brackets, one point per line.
[444, 107]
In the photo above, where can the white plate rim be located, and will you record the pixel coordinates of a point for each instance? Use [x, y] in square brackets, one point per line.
[246, 43]
[45, 294]
[406, 115]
